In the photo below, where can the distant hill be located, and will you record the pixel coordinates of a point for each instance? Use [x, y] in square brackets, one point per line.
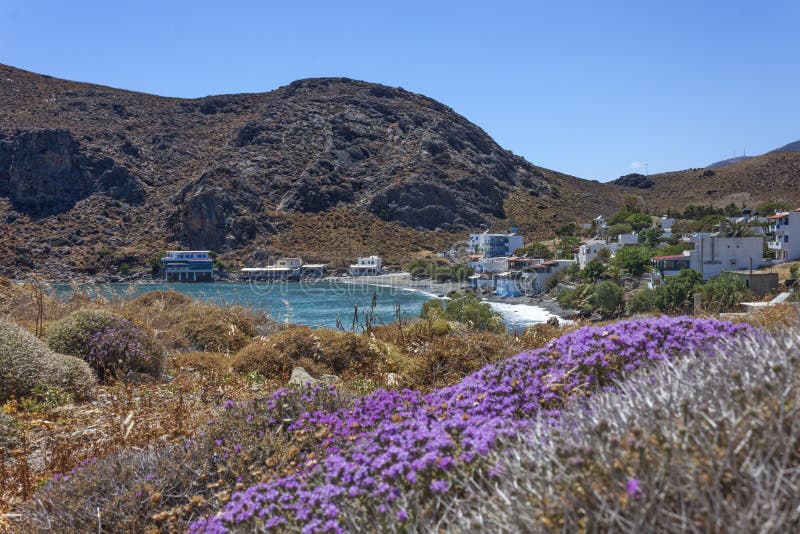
[95, 179]
[772, 176]
[791, 147]
[729, 161]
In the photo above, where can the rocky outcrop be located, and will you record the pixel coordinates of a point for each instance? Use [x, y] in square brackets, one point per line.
[44, 172]
[634, 180]
[218, 212]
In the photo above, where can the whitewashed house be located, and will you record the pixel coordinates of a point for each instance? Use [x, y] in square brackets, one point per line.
[495, 245]
[590, 250]
[784, 229]
[369, 266]
[488, 265]
[713, 254]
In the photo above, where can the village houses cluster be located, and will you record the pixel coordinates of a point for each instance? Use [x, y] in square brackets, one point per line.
[499, 270]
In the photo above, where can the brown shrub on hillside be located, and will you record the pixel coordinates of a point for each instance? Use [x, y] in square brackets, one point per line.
[208, 364]
[444, 360]
[183, 324]
[774, 319]
[160, 300]
[320, 351]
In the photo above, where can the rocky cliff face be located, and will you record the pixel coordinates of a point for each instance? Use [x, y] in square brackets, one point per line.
[43, 172]
[219, 212]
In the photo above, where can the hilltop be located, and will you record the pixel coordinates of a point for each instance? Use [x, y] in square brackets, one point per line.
[789, 147]
[97, 179]
[772, 176]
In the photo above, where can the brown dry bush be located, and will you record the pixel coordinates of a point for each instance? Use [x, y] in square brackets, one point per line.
[213, 329]
[320, 351]
[183, 324]
[774, 319]
[444, 360]
[207, 364]
[538, 335]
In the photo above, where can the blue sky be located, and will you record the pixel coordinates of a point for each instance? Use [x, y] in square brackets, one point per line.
[594, 89]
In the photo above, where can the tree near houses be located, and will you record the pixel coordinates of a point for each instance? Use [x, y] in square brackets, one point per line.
[635, 260]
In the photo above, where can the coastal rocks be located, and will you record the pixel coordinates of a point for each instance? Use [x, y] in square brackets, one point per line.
[43, 172]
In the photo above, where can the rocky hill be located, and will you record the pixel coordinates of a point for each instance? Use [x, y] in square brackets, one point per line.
[772, 176]
[95, 179]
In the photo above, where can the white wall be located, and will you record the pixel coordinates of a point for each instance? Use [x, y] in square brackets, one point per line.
[712, 255]
[786, 250]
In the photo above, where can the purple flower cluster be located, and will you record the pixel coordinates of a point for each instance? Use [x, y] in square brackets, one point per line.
[112, 348]
[392, 442]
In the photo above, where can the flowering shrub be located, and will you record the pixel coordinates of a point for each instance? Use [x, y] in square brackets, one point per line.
[123, 347]
[393, 444]
[26, 364]
[110, 344]
[704, 444]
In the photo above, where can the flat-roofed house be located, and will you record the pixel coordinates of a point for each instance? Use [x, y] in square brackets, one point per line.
[784, 230]
[369, 266]
[188, 266]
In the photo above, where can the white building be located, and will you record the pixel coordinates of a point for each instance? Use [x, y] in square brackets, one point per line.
[529, 280]
[784, 228]
[628, 239]
[600, 227]
[369, 266]
[713, 254]
[495, 245]
[488, 265]
[590, 250]
[666, 224]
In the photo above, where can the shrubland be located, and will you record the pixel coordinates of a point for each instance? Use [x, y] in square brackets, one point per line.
[424, 411]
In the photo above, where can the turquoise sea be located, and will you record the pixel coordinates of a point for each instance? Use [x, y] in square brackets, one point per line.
[314, 303]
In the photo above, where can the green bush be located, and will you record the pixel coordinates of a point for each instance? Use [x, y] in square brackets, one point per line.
[643, 301]
[26, 364]
[607, 299]
[635, 260]
[109, 343]
[676, 295]
[467, 309]
[537, 250]
[724, 292]
[604, 298]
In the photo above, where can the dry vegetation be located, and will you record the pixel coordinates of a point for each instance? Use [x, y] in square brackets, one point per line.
[215, 354]
[221, 360]
[740, 183]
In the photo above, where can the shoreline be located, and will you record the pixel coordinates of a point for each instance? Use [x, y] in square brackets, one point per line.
[525, 309]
